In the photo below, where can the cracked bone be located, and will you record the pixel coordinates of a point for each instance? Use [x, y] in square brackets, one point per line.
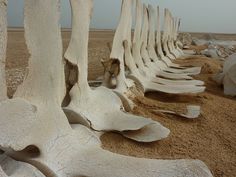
[3, 46]
[228, 77]
[35, 130]
[99, 108]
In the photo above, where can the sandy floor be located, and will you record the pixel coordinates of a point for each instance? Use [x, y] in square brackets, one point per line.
[211, 138]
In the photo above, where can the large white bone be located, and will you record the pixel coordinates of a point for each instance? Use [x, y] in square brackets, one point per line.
[191, 113]
[68, 155]
[151, 46]
[12, 168]
[3, 46]
[137, 46]
[40, 134]
[172, 27]
[146, 80]
[159, 42]
[100, 107]
[228, 77]
[177, 27]
[146, 83]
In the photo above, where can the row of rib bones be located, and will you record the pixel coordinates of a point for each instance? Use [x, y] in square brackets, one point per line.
[33, 126]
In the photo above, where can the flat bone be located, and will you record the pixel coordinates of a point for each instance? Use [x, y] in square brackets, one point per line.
[100, 107]
[192, 112]
[165, 36]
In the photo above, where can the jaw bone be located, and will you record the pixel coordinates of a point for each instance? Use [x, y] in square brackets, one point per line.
[100, 107]
[228, 77]
[3, 46]
[35, 130]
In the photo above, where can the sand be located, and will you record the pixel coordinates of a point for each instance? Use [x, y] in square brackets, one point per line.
[211, 138]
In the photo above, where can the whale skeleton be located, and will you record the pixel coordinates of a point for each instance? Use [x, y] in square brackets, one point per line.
[34, 128]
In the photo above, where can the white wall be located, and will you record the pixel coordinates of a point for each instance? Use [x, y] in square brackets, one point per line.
[197, 15]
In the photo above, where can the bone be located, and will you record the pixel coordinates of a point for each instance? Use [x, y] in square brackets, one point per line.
[99, 108]
[165, 37]
[13, 168]
[227, 78]
[3, 46]
[137, 45]
[146, 80]
[35, 130]
[151, 47]
[192, 112]
[148, 86]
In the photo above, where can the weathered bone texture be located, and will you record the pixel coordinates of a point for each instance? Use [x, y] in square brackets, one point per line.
[228, 76]
[192, 112]
[165, 36]
[3, 46]
[151, 46]
[123, 84]
[100, 107]
[147, 85]
[12, 168]
[148, 52]
[159, 43]
[148, 80]
[165, 64]
[34, 128]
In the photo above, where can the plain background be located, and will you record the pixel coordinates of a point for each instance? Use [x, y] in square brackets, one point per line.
[217, 16]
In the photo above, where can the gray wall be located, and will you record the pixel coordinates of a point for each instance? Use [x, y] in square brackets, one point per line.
[197, 15]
